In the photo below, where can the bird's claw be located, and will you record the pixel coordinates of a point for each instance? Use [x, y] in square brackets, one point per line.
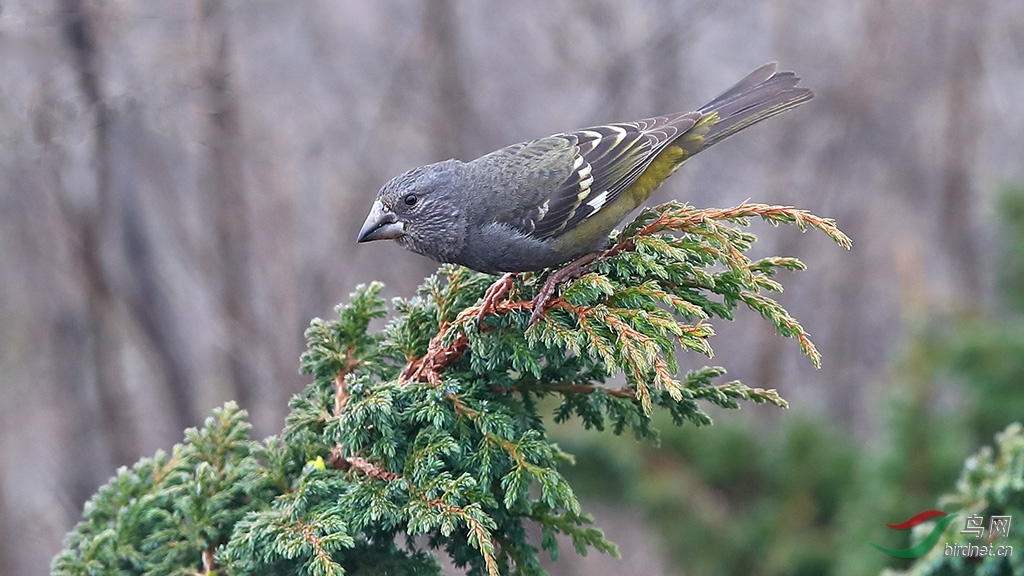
[494, 293]
[500, 288]
[574, 269]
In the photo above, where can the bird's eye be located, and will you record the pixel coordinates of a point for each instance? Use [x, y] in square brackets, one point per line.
[411, 199]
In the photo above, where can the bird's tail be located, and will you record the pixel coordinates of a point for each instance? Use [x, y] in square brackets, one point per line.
[762, 94]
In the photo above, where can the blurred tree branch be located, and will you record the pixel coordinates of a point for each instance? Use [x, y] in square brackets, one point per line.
[964, 25]
[229, 203]
[90, 223]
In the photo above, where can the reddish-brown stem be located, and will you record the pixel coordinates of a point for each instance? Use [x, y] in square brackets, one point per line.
[209, 562]
[341, 396]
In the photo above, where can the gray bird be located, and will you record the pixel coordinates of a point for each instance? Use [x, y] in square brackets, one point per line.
[545, 202]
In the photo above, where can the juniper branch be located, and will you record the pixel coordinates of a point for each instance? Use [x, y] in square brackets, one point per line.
[432, 426]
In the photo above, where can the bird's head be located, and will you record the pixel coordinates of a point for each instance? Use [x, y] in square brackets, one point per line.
[421, 209]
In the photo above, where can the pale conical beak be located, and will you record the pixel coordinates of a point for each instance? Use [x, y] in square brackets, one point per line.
[380, 224]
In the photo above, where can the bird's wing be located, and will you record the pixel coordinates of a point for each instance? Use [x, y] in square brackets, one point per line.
[601, 162]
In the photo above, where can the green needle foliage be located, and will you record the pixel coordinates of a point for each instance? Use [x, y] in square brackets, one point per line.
[427, 436]
[168, 514]
[991, 484]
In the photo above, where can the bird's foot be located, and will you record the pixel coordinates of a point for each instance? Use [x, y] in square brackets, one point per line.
[574, 269]
[495, 293]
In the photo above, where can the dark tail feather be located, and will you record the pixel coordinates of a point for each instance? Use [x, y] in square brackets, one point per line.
[762, 94]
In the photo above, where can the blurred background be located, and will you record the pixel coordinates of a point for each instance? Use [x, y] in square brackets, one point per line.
[181, 184]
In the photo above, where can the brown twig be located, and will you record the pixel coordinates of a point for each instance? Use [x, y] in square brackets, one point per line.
[370, 469]
[209, 562]
[341, 396]
[428, 367]
[340, 393]
[340, 390]
[341, 462]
